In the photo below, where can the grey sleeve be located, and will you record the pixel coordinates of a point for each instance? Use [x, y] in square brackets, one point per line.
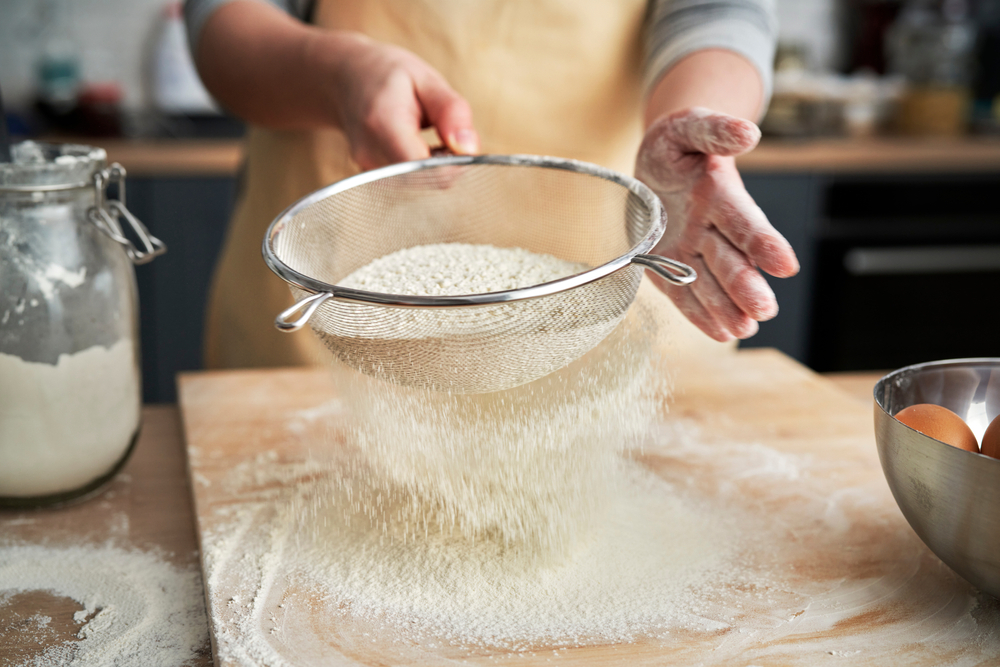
[196, 12]
[679, 27]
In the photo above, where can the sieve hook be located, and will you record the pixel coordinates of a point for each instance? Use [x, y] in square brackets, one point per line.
[310, 304]
[671, 270]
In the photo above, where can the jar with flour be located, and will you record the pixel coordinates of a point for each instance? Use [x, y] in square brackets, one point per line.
[70, 393]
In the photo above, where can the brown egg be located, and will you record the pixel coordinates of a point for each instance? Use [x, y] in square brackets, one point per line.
[991, 439]
[939, 423]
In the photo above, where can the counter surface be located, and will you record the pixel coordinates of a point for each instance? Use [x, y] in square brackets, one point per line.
[871, 155]
[148, 507]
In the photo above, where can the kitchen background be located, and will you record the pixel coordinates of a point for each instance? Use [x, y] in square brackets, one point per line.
[881, 164]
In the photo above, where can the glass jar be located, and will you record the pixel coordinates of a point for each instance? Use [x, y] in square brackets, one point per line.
[931, 45]
[70, 391]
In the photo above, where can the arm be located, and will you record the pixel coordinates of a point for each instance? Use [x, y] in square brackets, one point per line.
[713, 78]
[273, 70]
[697, 122]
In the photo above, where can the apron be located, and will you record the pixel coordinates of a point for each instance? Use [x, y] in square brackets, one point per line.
[546, 77]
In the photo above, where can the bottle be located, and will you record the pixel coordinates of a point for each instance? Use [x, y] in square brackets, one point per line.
[177, 89]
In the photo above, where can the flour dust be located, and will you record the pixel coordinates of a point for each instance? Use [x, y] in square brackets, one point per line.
[136, 608]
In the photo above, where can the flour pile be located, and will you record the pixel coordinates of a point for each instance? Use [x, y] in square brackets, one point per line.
[137, 608]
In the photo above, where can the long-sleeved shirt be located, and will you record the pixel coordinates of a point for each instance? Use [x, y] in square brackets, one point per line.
[675, 29]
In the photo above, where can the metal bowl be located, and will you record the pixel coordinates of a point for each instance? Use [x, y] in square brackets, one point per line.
[949, 496]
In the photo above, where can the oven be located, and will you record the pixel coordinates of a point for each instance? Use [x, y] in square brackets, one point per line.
[907, 270]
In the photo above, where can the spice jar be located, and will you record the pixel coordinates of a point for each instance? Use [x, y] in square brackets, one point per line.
[70, 391]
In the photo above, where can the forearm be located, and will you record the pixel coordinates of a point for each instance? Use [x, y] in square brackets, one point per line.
[269, 68]
[716, 79]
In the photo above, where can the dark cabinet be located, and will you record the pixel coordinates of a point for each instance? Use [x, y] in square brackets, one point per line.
[190, 215]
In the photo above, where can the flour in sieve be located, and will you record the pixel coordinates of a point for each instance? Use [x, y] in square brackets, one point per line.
[458, 268]
[476, 349]
[138, 609]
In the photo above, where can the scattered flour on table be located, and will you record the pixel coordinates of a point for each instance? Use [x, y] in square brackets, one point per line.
[66, 424]
[429, 527]
[138, 609]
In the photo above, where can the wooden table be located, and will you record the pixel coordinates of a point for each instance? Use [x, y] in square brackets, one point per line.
[148, 506]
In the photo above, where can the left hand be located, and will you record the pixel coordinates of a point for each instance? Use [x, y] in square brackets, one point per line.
[688, 159]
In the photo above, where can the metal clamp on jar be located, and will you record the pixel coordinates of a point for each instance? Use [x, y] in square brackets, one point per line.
[70, 391]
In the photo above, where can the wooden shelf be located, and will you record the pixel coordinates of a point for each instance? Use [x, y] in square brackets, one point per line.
[220, 157]
[875, 155]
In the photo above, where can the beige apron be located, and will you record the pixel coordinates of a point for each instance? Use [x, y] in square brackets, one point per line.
[548, 77]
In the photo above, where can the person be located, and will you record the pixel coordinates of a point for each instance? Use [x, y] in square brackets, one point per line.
[667, 88]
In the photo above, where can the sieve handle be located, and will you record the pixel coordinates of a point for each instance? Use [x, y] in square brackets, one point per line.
[310, 304]
[671, 270]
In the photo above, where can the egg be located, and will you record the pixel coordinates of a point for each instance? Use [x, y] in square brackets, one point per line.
[991, 439]
[941, 424]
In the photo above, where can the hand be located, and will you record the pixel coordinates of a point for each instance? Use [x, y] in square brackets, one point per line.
[688, 159]
[386, 95]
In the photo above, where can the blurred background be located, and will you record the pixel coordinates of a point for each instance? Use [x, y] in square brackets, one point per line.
[880, 163]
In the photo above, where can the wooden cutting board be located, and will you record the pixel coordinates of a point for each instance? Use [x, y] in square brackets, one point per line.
[848, 581]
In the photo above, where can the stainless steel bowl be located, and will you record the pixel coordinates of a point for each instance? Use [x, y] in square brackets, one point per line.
[951, 497]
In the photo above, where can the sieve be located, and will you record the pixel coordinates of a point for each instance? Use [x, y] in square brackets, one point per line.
[472, 343]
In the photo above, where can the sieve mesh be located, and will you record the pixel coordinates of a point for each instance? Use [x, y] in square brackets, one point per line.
[479, 343]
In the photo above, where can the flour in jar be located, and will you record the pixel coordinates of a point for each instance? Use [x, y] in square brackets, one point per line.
[64, 425]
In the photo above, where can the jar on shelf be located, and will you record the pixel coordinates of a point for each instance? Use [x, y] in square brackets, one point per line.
[930, 45]
[70, 387]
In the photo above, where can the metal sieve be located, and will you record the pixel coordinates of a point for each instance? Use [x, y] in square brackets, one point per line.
[472, 343]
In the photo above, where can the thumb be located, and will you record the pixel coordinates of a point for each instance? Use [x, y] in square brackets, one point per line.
[700, 130]
[449, 114]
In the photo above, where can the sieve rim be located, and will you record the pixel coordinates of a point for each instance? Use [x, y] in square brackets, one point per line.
[289, 275]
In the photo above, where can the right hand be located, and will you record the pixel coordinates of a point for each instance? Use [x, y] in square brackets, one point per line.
[386, 95]
[713, 225]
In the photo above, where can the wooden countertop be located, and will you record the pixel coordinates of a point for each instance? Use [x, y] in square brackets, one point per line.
[148, 507]
[875, 155]
[174, 157]
[221, 157]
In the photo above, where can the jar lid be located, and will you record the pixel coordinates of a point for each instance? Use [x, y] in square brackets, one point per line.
[44, 167]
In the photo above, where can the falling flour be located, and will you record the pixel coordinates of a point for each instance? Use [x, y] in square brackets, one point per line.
[493, 520]
[137, 609]
[64, 425]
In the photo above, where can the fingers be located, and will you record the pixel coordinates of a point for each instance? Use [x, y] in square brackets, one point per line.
[744, 225]
[390, 97]
[389, 131]
[699, 130]
[449, 114]
[707, 307]
[737, 289]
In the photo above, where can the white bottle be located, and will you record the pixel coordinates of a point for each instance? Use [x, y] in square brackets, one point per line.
[176, 87]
